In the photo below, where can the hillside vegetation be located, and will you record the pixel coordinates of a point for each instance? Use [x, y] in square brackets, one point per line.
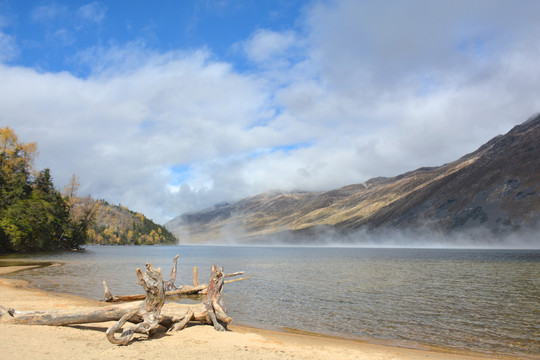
[117, 225]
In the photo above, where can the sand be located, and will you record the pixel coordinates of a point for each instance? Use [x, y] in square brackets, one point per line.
[195, 342]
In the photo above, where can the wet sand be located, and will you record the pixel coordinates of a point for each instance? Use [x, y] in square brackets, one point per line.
[195, 342]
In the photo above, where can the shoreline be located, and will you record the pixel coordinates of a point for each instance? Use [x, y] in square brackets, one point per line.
[198, 341]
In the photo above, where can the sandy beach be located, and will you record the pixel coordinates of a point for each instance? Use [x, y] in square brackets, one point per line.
[194, 342]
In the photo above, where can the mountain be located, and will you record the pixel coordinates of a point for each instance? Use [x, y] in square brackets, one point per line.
[495, 189]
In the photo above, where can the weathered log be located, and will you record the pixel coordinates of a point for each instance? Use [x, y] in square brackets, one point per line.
[180, 290]
[100, 314]
[68, 316]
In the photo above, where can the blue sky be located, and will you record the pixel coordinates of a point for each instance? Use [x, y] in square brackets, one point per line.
[173, 106]
[51, 35]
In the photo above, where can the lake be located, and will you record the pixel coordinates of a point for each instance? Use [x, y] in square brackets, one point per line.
[478, 300]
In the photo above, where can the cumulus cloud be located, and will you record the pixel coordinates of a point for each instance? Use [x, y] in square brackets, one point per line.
[363, 89]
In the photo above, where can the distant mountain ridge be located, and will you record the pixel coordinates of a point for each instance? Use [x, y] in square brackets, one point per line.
[495, 188]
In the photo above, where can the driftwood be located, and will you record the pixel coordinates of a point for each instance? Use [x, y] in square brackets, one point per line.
[178, 291]
[147, 315]
[101, 314]
[195, 276]
[149, 311]
[182, 290]
[214, 304]
[170, 284]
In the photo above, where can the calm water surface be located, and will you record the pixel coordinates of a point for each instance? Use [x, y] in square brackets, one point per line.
[479, 300]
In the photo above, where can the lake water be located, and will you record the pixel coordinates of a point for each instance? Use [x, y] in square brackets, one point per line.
[480, 300]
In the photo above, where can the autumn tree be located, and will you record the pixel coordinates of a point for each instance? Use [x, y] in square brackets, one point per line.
[82, 210]
[16, 167]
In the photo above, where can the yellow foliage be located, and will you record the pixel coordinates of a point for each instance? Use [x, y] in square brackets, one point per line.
[16, 154]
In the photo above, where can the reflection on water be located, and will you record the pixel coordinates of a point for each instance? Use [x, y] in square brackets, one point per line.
[480, 300]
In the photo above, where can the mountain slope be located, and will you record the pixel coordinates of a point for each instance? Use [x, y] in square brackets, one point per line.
[497, 187]
[117, 225]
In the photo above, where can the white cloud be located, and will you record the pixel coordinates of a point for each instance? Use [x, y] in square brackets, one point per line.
[383, 44]
[267, 45]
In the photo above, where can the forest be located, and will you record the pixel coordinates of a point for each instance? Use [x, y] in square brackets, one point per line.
[36, 216]
[117, 225]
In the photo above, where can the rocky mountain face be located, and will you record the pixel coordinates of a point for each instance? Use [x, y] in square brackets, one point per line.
[496, 189]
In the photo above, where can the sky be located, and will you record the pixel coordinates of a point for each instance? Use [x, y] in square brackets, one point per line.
[172, 106]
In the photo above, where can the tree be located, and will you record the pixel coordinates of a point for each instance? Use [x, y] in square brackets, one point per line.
[70, 190]
[16, 167]
[82, 212]
[16, 161]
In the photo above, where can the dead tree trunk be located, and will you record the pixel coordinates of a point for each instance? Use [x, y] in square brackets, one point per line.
[149, 311]
[100, 314]
[170, 284]
[214, 303]
[67, 316]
